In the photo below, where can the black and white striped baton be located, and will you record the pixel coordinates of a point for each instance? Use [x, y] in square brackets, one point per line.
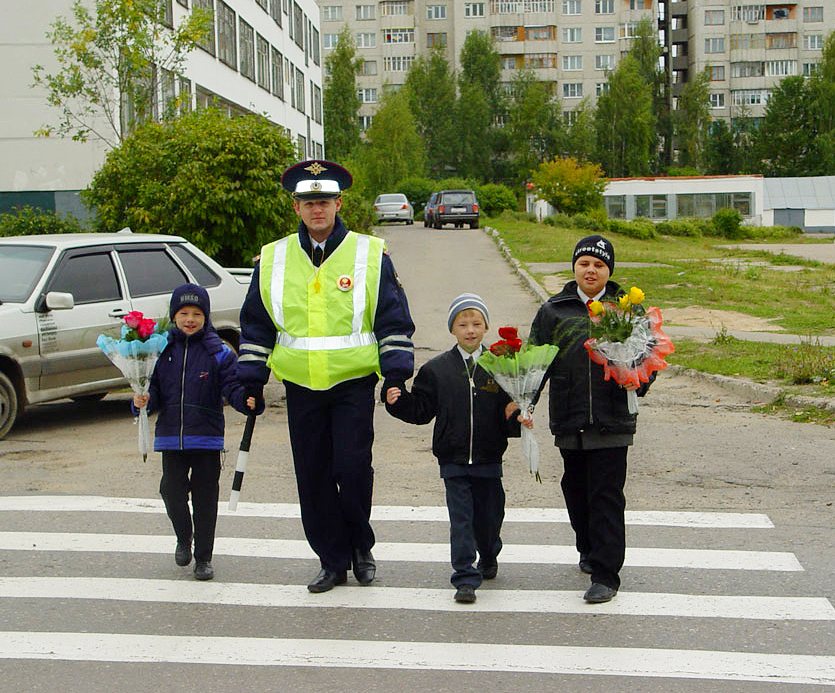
[240, 466]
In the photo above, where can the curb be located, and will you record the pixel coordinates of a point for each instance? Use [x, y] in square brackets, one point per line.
[759, 393]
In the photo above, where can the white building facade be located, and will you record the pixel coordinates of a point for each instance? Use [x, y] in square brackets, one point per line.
[263, 56]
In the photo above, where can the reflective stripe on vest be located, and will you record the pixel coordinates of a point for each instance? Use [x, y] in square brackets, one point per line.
[325, 333]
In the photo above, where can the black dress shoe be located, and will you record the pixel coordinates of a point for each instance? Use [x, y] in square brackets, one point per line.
[465, 594]
[599, 593]
[326, 580]
[364, 566]
[182, 554]
[489, 569]
[203, 570]
[585, 564]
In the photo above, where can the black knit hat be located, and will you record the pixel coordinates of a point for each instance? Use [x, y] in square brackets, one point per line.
[596, 246]
[189, 295]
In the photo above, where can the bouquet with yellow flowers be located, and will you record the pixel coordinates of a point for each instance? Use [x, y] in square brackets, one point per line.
[627, 340]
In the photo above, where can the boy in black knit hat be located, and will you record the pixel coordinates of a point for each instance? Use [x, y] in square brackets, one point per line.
[473, 420]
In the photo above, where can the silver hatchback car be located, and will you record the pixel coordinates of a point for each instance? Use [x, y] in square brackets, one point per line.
[59, 293]
[394, 207]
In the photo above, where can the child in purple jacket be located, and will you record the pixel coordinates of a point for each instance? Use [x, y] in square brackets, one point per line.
[192, 377]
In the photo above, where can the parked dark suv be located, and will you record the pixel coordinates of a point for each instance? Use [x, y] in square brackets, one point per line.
[456, 207]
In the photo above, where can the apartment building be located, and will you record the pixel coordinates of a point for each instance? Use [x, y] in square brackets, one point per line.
[569, 43]
[263, 56]
[748, 47]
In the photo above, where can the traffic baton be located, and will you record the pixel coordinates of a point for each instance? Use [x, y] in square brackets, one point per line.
[243, 458]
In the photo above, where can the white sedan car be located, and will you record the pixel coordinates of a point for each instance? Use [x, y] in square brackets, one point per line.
[394, 207]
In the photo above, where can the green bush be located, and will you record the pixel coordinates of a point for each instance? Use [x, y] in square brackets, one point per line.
[417, 190]
[591, 221]
[357, 212]
[728, 223]
[494, 199]
[679, 171]
[771, 232]
[29, 221]
[642, 229]
[688, 227]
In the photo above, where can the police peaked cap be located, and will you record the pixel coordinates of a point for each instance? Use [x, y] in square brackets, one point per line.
[316, 180]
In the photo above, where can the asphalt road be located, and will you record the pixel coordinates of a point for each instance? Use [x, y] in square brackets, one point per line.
[759, 534]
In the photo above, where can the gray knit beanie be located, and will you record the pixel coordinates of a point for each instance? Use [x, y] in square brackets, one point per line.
[465, 302]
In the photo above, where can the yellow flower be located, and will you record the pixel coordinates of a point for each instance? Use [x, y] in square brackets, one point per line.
[624, 302]
[596, 308]
[636, 296]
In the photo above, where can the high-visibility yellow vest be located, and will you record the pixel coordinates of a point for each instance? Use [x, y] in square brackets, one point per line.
[324, 315]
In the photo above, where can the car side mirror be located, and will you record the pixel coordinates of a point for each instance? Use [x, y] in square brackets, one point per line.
[55, 300]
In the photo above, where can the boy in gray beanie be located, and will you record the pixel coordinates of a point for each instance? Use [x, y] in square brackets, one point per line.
[473, 420]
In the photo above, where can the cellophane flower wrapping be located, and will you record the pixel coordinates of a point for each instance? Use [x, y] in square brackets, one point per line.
[136, 360]
[520, 375]
[636, 358]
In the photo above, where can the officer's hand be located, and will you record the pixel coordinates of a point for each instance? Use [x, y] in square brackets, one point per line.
[393, 394]
[140, 401]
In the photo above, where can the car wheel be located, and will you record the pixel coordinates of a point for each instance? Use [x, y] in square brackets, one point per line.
[474, 225]
[9, 407]
[89, 398]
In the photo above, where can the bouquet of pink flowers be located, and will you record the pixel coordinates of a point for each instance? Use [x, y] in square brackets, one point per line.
[519, 369]
[135, 354]
[627, 340]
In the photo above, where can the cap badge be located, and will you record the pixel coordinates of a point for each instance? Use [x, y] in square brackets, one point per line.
[315, 168]
[315, 185]
[344, 283]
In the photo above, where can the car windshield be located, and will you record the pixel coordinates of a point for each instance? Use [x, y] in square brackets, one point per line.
[458, 198]
[382, 199]
[21, 266]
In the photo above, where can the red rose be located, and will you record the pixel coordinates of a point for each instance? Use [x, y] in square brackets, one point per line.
[508, 333]
[146, 328]
[133, 319]
[514, 345]
[499, 348]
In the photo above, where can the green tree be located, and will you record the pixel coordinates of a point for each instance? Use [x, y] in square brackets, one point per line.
[430, 86]
[720, 149]
[394, 150]
[209, 178]
[481, 65]
[580, 137]
[625, 123]
[647, 51]
[111, 58]
[474, 121]
[785, 140]
[691, 121]
[341, 102]
[26, 221]
[823, 108]
[569, 186]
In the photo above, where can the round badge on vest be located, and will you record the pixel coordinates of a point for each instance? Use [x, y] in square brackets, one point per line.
[345, 283]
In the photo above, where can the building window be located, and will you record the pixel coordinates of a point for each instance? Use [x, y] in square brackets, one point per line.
[435, 39]
[604, 34]
[227, 40]
[275, 11]
[277, 76]
[398, 63]
[810, 69]
[717, 73]
[640, 4]
[247, 36]
[572, 34]
[540, 33]
[616, 206]
[604, 6]
[813, 42]
[750, 97]
[365, 12]
[748, 13]
[366, 40]
[540, 61]
[367, 94]
[394, 9]
[715, 44]
[571, 7]
[651, 206]
[314, 38]
[572, 90]
[263, 56]
[748, 69]
[714, 17]
[601, 88]
[399, 36]
[572, 62]
[329, 41]
[300, 95]
[208, 43]
[717, 100]
[473, 9]
[813, 14]
[780, 68]
[436, 11]
[369, 68]
[365, 122]
[332, 13]
[604, 62]
[298, 26]
[317, 102]
[779, 41]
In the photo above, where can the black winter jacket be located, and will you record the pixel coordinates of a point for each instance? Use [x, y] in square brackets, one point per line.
[579, 396]
[470, 423]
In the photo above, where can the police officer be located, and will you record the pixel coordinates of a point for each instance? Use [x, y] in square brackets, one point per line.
[326, 313]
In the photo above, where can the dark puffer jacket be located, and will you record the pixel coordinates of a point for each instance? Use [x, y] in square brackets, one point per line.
[470, 425]
[579, 396]
[192, 377]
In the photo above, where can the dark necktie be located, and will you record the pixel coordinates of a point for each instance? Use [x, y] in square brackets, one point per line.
[470, 366]
[318, 253]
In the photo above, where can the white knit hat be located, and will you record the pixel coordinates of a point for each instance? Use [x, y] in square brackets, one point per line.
[465, 302]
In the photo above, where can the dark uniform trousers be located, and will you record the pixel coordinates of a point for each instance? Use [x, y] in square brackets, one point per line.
[331, 433]
[476, 512]
[592, 484]
[174, 488]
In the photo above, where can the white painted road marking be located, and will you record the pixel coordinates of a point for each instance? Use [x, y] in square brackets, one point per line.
[705, 559]
[411, 599]
[375, 654]
[384, 513]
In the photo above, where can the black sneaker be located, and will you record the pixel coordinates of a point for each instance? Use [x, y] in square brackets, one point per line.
[489, 569]
[465, 594]
[203, 570]
[182, 554]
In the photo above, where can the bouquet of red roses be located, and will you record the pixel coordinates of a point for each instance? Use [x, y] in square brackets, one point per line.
[627, 340]
[519, 369]
[135, 354]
